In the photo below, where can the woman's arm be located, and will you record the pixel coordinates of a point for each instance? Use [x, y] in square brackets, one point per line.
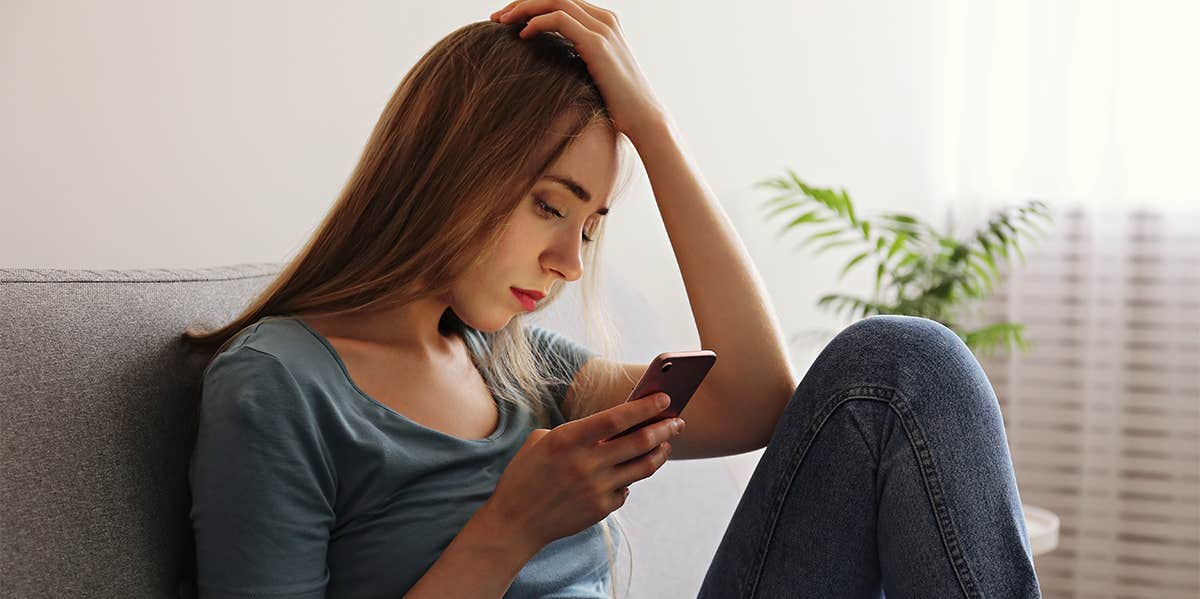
[752, 378]
[482, 561]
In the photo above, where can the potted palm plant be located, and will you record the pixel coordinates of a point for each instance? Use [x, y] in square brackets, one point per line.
[918, 271]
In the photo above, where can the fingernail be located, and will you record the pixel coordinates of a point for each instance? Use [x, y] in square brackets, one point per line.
[662, 401]
[681, 424]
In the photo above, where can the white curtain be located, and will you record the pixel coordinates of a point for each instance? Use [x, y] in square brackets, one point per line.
[1089, 101]
[1093, 107]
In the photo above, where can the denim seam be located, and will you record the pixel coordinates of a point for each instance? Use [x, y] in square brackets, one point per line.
[916, 435]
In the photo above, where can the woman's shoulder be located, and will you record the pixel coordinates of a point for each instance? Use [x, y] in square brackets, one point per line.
[270, 367]
[275, 341]
[252, 390]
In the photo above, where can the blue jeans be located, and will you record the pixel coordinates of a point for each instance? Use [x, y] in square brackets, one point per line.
[888, 472]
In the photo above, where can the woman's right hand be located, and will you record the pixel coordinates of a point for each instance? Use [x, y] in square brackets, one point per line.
[564, 480]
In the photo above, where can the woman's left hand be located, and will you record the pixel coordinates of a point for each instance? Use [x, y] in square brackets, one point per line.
[597, 36]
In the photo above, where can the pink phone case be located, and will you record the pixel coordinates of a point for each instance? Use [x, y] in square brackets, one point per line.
[678, 374]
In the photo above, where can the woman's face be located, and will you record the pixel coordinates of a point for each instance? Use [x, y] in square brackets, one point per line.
[538, 248]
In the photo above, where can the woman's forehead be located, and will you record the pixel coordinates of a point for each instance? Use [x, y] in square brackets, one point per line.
[588, 166]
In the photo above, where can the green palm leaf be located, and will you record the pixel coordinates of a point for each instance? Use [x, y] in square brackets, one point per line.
[851, 263]
[919, 271]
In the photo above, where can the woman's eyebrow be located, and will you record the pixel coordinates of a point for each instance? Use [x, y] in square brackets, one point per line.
[574, 187]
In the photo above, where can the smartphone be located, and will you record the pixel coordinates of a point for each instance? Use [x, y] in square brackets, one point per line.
[678, 374]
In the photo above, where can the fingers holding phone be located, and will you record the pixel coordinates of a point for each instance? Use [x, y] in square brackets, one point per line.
[639, 454]
[638, 451]
[607, 427]
[563, 480]
[624, 459]
[566, 479]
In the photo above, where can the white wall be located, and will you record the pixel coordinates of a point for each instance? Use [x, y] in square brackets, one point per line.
[186, 134]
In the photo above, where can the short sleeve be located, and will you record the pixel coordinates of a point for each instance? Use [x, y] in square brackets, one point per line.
[262, 483]
[561, 354]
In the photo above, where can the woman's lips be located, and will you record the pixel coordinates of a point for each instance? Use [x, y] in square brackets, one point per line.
[526, 300]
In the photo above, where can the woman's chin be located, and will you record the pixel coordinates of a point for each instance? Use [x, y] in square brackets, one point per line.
[491, 325]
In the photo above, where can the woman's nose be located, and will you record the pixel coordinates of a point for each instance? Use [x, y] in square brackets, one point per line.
[566, 260]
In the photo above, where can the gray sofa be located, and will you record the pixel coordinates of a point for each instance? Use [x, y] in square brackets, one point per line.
[95, 418]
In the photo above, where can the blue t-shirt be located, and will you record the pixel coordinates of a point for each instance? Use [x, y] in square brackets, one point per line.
[304, 487]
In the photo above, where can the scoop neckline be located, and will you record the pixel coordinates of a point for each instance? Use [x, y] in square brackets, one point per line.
[502, 422]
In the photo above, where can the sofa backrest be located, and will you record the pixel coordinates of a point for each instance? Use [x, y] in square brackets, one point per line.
[96, 422]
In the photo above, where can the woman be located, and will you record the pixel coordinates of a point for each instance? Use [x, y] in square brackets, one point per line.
[369, 426]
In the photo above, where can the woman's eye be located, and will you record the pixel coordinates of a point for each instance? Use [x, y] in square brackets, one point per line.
[547, 208]
[544, 207]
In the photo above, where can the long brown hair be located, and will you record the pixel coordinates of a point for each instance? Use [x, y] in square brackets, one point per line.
[461, 142]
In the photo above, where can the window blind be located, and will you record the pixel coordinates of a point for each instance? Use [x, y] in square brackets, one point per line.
[1103, 413]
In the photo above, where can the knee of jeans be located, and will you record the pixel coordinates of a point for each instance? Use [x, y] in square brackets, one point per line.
[928, 353]
[900, 333]
[891, 347]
